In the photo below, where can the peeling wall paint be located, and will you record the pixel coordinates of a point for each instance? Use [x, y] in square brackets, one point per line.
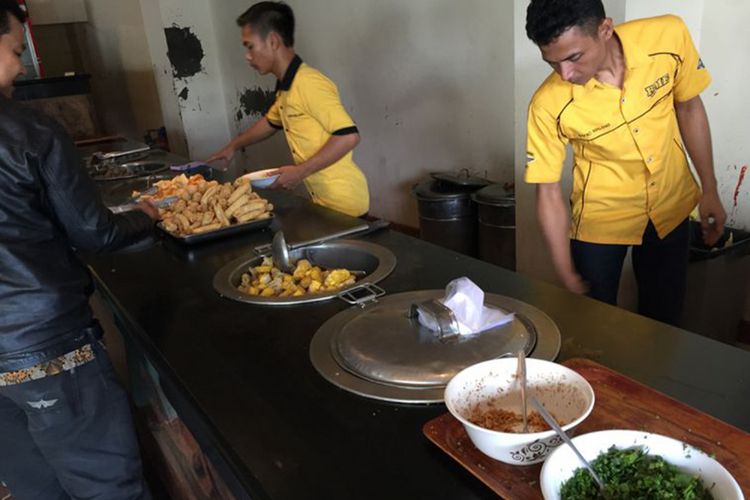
[734, 218]
[743, 171]
[184, 94]
[254, 101]
[184, 51]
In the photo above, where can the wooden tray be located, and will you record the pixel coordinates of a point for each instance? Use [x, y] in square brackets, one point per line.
[621, 403]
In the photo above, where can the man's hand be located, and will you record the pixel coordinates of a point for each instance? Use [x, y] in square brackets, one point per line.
[574, 283]
[148, 209]
[713, 217]
[289, 178]
[226, 154]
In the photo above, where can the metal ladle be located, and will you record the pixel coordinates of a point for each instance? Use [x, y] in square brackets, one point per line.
[547, 416]
[280, 253]
[280, 250]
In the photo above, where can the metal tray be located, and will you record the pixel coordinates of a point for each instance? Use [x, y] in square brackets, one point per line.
[131, 170]
[192, 239]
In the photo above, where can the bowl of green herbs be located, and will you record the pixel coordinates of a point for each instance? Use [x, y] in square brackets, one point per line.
[636, 465]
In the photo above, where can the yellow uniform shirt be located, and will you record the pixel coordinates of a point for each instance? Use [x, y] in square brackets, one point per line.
[309, 110]
[629, 161]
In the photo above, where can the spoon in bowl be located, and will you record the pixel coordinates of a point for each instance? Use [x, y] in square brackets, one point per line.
[547, 416]
[521, 376]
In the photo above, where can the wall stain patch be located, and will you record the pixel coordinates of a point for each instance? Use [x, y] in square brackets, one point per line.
[184, 51]
[255, 101]
[184, 94]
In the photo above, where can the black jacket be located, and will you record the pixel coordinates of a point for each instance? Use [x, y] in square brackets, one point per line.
[48, 206]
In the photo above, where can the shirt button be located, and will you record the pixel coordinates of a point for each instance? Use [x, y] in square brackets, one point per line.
[623, 100]
[652, 184]
[636, 130]
[650, 159]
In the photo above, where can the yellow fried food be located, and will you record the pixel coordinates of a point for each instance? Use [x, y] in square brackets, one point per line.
[202, 204]
[267, 280]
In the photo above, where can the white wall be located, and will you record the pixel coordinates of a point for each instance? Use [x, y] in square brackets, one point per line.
[57, 11]
[203, 112]
[162, 71]
[428, 82]
[724, 46]
[114, 45]
[691, 11]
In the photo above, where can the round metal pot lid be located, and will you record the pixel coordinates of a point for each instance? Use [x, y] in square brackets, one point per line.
[461, 178]
[382, 353]
[496, 195]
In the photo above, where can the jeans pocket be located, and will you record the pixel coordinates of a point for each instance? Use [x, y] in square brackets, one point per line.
[48, 400]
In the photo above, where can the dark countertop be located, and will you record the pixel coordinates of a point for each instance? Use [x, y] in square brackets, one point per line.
[246, 372]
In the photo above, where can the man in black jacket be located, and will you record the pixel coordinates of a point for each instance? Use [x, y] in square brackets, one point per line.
[65, 424]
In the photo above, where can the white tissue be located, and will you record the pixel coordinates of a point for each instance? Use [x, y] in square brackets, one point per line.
[466, 300]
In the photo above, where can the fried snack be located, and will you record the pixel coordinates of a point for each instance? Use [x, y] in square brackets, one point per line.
[266, 280]
[237, 204]
[239, 191]
[207, 228]
[205, 206]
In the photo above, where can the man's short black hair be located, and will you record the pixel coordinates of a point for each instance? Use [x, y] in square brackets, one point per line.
[265, 17]
[10, 8]
[548, 19]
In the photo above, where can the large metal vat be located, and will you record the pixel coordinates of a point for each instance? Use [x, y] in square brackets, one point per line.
[496, 207]
[447, 214]
[375, 261]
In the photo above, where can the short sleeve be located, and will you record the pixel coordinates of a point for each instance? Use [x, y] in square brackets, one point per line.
[273, 116]
[692, 77]
[323, 103]
[545, 147]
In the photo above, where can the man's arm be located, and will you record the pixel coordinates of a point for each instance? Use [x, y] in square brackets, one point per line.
[77, 206]
[554, 222]
[258, 131]
[696, 134]
[331, 152]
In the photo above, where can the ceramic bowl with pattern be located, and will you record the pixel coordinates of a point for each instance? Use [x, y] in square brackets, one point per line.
[492, 386]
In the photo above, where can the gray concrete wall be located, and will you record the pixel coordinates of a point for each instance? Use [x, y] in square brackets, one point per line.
[428, 82]
[114, 48]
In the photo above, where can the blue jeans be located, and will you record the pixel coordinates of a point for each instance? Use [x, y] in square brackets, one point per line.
[659, 265]
[79, 443]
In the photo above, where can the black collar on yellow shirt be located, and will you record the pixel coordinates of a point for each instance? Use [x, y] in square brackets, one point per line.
[286, 82]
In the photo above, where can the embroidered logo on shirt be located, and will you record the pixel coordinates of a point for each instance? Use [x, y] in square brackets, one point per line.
[42, 403]
[700, 64]
[594, 130]
[659, 83]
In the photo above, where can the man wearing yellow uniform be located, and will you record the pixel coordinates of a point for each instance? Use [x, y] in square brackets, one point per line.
[626, 100]
[319, 131]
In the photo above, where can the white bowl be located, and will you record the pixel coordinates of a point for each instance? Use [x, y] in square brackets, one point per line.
[562, 391]
[562, 463]
[262, 178]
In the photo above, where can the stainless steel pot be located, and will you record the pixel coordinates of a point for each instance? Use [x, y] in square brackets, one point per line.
[376, 261]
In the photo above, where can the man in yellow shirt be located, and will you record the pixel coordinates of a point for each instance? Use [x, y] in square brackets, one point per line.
[319, 131]
[627, 101]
